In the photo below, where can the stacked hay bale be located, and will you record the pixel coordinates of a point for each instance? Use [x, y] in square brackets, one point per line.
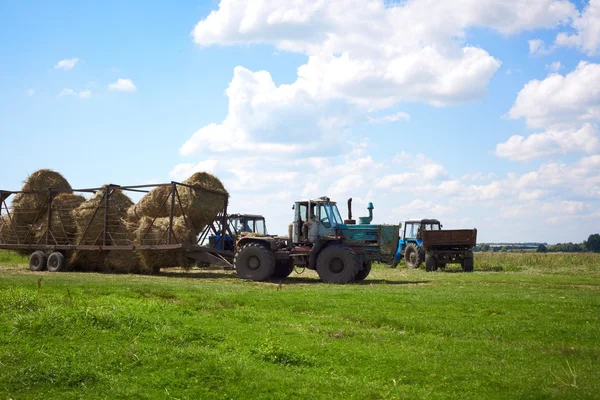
[89, 220]
[199, 207]
[63, 227]
[28, 208]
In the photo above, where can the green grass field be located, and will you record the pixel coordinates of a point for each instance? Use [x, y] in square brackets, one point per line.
[521, 326]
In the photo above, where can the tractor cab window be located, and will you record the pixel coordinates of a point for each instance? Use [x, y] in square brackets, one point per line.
[336, 215]
[260, 226]
[412, 230]
[324, 216]
[248, 226]
[431, 227]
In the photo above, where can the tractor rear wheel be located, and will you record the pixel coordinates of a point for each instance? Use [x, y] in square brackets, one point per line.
[364, 272]
[254, 261]
[283, 268]
[412, 256]
[337, 264]
[37, 261]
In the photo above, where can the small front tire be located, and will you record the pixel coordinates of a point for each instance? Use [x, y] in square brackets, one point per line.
[412, 256]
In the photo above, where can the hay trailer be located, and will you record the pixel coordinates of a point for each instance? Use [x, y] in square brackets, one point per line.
[61, 229]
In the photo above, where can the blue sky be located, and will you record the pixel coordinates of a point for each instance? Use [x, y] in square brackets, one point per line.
[481, 113]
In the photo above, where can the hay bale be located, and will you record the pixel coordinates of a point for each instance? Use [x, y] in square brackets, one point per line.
[28, 206]
[199, 206]
[64, 229]
[156, 233]
[150, 205]
[91, 213]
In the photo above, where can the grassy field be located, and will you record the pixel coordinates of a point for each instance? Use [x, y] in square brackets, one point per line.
[521, 326]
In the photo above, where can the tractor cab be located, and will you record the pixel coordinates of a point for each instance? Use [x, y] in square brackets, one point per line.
[410, 239]
[239, 223]
[315, 218]
[413, 228]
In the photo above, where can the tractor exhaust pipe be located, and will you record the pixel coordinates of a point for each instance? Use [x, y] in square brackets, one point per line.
[350, 221]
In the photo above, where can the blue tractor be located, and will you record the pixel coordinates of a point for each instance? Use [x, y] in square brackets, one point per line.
[410, 244]
[340, 251]
[237, 224]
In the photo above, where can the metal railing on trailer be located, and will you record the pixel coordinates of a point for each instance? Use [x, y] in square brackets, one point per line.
[48, 237]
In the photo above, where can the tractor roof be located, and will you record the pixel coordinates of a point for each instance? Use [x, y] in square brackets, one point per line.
[423, 221]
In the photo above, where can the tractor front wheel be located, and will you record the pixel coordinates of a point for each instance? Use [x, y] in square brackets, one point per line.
[254, 261]
[337, 264]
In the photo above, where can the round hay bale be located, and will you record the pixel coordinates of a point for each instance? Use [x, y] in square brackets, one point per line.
[90, 215]
[200, 206]
[151, 205]
[157, 234]
[28, 206]
[64, 229]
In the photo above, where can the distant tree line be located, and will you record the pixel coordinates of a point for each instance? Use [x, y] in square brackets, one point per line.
[592, 244]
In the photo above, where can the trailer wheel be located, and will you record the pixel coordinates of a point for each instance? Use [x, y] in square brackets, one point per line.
[283, 268]
[364, 272]
[412, 256]
[37, 261]
[254, 261]
[467, 264]
[430, 263]
[56, 262]
[337, 264]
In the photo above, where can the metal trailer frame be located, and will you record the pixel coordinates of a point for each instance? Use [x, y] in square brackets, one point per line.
[103, 243]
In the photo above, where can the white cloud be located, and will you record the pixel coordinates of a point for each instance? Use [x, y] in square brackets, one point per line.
[537, 47]
[419, 208]
[587, 31]
[399, 116]
[67, 63]
[185, 170]
[123, 85]
[561, 100]
[30, 92]
[84, 94]
[555, 66]
[549, 143]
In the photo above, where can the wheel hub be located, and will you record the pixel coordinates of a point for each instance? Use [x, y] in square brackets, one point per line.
[336, 265]
[253, 262]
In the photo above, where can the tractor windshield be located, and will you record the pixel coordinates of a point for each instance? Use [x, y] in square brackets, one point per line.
[336, 215]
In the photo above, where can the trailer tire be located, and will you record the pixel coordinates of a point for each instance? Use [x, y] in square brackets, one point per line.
[37, 261]
[430, 263]
[255, 262]
[412, 256]
[337, 264]
[364, 272]
[467, 264]
[283, 268]
[56, 262]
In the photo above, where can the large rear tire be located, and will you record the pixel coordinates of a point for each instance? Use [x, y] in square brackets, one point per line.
[364, 272]
[56, 262]
[283, 268]
[37, 261]
[254, 261]
[412, 256]
[337, 264]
